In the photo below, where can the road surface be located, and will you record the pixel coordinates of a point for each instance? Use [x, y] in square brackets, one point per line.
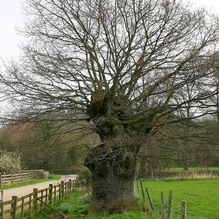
[24, 190]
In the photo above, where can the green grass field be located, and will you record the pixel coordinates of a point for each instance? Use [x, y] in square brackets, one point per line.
[191, 169]
[201, 196]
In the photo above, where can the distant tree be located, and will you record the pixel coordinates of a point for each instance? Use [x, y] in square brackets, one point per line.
[10, 162]
[213, 102]
[208, 153]
[182, 144]
[47, 144]
[118, 64]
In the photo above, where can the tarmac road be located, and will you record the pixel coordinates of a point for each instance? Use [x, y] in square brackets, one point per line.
[24, 190]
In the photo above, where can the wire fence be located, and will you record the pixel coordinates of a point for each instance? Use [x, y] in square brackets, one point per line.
[168, 208]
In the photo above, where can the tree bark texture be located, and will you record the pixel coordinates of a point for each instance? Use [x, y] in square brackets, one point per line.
[113, 173]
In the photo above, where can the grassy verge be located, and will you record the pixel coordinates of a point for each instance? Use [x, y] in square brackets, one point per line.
[30, 182]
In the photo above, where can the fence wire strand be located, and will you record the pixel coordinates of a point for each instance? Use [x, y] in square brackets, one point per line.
[187, 211]
[193, 214]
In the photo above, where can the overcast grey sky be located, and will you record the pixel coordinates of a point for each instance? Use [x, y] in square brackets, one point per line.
[11, 18]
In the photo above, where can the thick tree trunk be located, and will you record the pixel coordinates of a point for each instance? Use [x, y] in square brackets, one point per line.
[142, 169]
[113, 173]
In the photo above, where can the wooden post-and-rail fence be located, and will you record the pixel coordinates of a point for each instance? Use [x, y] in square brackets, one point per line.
[20, 207]
[15, 178]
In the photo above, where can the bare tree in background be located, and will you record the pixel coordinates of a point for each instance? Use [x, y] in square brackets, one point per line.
[121, 64]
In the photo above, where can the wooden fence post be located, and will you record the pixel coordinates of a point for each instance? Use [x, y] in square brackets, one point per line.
[152, 174]
[143, 196]
[142, 191]
[170, 205]
[183, 210]
[59, 191]
[29, 205]
[46, 200]
[13, 207]
[62, 188]
[1, 210]
[70, 185]
[1, 204]
[35, 193]
[50, 193]
[12, 179]
[74, 184]
[55, 191]
[163, 206]
[149, 198]
[137, 186]
[22, 207]
[66, 187]
[41, 198]
[1, 196]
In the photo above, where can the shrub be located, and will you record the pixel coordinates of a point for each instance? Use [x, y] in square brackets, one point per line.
[10, 162]
[85, 177]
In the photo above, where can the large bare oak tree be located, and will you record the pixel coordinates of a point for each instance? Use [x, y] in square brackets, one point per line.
[122, 65]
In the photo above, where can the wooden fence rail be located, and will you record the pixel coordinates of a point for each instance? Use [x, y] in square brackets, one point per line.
[20, 207]
[15, 178]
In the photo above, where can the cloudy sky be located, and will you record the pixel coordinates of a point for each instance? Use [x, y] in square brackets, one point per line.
[11, 18]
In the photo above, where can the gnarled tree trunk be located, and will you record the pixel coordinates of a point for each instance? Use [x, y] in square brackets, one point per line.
[113, 173]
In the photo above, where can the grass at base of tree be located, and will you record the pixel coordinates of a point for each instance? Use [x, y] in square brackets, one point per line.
[76, 205]
[31, 182]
